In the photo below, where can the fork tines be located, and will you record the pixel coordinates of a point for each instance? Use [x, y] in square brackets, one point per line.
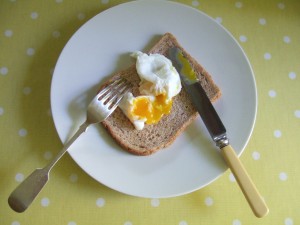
[113, 93]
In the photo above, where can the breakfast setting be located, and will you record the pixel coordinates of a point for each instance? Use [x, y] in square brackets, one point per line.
[152, 111]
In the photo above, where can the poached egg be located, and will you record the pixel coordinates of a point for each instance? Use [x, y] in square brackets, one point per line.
[160, 82]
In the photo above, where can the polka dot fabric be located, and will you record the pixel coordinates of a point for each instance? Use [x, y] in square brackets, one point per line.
[33, 34]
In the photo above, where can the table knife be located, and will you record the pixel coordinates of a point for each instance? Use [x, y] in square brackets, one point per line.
[216, 130]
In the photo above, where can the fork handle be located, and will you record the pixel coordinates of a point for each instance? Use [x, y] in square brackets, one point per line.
[81, 130]
[20, 199]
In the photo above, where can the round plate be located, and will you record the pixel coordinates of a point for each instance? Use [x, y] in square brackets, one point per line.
[101, 47]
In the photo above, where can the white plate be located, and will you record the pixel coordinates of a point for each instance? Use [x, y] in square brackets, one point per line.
[102, 46]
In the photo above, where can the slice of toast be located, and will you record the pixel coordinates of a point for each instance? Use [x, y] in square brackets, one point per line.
[160, 135]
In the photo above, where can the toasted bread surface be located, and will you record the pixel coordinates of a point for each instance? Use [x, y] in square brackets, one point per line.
[158, 136]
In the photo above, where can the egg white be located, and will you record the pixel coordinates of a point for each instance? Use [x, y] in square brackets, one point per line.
[158, 76]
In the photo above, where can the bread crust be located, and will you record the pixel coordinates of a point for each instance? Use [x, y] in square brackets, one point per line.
[158, 136]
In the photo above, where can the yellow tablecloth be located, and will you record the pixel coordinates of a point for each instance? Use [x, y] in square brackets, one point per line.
[32, 35]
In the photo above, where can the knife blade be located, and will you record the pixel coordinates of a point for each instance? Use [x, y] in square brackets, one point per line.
[216, 129]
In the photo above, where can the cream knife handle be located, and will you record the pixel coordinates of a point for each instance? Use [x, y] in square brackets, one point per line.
[252, 195]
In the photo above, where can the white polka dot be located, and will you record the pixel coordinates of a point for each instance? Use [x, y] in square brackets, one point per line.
[71, 223]
[30, 51]
[15, 223]
[104, 1]
[243, 38]
[3, 70]
[219, 19]
[277, 133]
[48, 155]
[73, 177]
[256, 155]
[238, 5]
[267, 56]
[59, 1]
[287, 39]
[56, 34]
[34, 15]
[19, 177]
[26, 90]
[292, 75]
[45, 202]
[236, 222]
[22, 132]
[183, 223]
[232, 178]
[281, 5]
[283, 176]
[209, 201]
[296, 113]
[155, 202]
[262, 21]
[100, 202]
[128, 223]
[8, 33]
[288, 221]
[272, 93]
[81, 16]
[195, 3]
[1, 111]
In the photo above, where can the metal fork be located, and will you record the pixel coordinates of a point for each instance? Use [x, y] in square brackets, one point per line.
[103, 104]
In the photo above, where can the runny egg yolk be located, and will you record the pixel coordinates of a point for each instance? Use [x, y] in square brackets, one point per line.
[152, 111]
[187, 70]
